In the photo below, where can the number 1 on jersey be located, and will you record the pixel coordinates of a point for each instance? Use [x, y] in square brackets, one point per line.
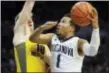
[58, 61]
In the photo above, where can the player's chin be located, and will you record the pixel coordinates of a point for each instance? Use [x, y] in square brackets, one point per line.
[59, 34]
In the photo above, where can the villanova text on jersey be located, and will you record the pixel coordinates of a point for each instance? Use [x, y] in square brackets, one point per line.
[63, 49]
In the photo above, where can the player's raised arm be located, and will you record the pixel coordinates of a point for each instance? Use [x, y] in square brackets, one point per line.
[25, 14]
[22, 30]
[91, 49]
[37, 35]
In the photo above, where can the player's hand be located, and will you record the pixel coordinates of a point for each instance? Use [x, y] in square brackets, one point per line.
[94, 18]
[49, 25]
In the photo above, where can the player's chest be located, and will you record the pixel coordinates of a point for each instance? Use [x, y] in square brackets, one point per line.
[68, 44]
[66, 48]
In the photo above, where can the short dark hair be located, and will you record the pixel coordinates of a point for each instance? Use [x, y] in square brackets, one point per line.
[72, 22]
[69, 15]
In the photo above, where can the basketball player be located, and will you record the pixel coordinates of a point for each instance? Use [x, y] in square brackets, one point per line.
[67, 49]
[27, 53]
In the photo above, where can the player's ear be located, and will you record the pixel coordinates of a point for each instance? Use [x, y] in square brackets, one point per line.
[73, 28]
[72, 25]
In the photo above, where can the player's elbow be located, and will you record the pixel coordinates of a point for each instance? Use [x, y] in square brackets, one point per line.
[92, 51]
[33, 38]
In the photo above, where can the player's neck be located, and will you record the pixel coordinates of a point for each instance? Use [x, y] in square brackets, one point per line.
[68, 35]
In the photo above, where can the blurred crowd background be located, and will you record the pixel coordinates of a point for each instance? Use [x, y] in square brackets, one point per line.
[45, 11]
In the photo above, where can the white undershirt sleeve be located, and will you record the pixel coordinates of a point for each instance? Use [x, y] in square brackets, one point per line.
[92, 48]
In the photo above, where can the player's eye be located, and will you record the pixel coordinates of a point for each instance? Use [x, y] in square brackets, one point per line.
[62, 21]
[29, 22]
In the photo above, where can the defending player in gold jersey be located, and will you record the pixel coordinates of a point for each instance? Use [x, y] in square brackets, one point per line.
[29, 56]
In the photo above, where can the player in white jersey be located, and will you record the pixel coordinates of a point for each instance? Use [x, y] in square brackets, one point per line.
[67, 49]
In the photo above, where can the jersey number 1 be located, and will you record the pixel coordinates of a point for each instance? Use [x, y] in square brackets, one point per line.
[58, 61]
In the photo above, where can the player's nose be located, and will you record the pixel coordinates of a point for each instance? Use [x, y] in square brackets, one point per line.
[60, 24]
[30, 23]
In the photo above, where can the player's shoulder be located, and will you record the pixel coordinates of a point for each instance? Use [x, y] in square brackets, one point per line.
[19, 45]
[26, 43]
[30, 45]
[54, 35]
[55, 38]
[81, 40]
[76, 38]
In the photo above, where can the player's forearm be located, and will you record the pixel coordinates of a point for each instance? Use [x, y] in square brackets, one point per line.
[47, 59]
[92, 48]
[95, 38]
[38, 31]
[28, 6]
[25, 14]
[37, 35]
[47, 55]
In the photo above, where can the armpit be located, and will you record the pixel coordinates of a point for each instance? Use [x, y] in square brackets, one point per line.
[80, 46]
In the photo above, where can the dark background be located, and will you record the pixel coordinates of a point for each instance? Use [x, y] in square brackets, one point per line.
[54, 10]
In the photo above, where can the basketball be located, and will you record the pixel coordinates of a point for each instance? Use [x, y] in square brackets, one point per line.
[80, 12]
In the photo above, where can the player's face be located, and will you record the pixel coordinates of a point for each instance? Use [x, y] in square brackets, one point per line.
[64, 26]
[30, 24]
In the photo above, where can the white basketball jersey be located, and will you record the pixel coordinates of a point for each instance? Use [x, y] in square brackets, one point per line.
[65, 57]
